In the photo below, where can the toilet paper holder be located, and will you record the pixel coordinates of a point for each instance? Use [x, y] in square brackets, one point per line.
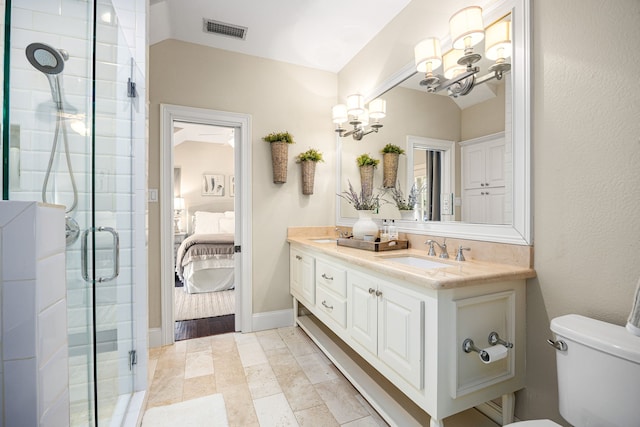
[494, 339]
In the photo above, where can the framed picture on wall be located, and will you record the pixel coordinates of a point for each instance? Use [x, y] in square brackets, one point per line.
[232, 185]
[212, 184]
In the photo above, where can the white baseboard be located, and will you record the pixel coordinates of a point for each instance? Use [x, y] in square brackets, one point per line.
[272, 320]
[155, 337]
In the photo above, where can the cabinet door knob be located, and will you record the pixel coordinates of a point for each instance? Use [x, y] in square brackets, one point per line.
[298, 257]
[372, 291]
[378, 293]
[330, 307]
[324, 276]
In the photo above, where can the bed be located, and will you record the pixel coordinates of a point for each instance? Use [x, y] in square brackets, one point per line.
[205, 259]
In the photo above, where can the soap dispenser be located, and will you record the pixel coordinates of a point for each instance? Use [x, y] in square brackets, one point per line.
[384, 232]
[393, 230]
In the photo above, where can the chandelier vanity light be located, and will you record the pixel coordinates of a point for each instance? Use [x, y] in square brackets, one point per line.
[358, 116]
[459, 73]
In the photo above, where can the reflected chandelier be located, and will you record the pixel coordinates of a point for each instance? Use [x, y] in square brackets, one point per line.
[358, 116]
[467, 30]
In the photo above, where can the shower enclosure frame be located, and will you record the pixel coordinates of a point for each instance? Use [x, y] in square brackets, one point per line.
[108, 85]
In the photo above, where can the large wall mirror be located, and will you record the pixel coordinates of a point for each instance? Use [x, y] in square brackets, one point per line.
[474, 150]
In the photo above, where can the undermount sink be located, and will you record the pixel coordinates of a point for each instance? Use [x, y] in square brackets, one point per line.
[415, 261]
[323, 240]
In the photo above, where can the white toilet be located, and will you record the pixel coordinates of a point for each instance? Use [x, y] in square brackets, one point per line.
[598, 374]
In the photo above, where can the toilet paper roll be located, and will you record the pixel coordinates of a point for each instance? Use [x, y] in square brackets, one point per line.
[493, 353]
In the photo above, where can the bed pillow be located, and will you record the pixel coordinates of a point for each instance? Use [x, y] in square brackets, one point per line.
[207, 222]
[227, 225]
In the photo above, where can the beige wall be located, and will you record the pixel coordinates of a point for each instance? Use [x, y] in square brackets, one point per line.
[197, 158]
[278, 96]
[586, 157]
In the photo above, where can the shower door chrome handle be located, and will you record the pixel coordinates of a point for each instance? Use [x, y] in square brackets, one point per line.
[116, 254]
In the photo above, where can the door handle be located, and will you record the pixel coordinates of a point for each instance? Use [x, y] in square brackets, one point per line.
[85, 253]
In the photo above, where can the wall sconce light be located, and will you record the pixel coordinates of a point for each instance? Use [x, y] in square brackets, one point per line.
[467, 30]
[358, 116]
[178, 207]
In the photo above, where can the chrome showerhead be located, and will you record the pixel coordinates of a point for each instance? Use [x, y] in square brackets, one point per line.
[50, 61]
[45, 58]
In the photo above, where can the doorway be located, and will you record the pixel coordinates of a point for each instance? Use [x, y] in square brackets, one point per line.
[204, 219]
[214, 200]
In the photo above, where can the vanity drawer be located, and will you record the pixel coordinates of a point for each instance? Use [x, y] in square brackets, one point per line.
[331, 277]
[331, 305]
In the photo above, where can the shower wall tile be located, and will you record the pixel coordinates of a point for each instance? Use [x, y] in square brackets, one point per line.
[58, 414]
[53, 380]
[19, 319]
[33, 312]
[51, 240]
[53, 269]
[52, 320]
[20, 395]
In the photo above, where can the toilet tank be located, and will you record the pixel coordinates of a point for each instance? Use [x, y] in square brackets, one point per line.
[598, 373]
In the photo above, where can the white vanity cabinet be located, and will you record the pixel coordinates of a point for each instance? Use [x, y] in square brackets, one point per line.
[387, 321]
[301, 276]
[399, 340]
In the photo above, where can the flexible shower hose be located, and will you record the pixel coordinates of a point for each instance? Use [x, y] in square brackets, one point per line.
[60, 127]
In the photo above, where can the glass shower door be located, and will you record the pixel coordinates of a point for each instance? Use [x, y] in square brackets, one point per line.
[68, 140]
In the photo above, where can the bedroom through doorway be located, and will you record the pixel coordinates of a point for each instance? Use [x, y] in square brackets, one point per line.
[204, 225]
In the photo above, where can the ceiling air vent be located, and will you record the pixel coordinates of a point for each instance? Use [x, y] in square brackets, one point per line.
[223, 29]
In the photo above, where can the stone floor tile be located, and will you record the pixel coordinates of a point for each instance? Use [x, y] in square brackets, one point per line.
[340, 398]
[199, 387]
[198, 364]
[316, 369]
[300, 393]
[262, 381]
[274, 411]
[316, 416]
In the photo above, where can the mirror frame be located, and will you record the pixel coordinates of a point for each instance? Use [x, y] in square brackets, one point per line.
[519, 232]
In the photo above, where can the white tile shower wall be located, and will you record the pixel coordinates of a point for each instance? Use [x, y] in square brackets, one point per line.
[32, 285]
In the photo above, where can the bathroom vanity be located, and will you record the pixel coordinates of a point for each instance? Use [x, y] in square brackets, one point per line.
[396, 331]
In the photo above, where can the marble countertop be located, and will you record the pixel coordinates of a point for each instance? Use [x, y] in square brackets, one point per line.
[459, 273]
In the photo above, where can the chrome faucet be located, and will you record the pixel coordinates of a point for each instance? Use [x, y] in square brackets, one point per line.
[344, 235]
[460, 255]
[443, 248]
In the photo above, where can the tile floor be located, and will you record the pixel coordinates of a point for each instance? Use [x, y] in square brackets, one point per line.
[271, 378]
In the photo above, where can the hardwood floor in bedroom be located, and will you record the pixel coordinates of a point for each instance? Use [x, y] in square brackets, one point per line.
[199, 328]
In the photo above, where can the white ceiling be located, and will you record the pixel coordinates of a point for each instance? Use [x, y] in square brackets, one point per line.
[321, 34]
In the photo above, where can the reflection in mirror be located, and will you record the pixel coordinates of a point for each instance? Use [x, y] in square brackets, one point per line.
[433, 172]
[413, 115]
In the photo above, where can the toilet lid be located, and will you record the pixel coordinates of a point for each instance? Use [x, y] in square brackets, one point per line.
[534, 423]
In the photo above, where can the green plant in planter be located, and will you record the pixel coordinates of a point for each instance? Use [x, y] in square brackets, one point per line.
[279, 136]
[390, 148]
[311, 154]
[366, 160]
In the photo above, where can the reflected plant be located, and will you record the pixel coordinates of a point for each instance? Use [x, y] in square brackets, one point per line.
[405, 203]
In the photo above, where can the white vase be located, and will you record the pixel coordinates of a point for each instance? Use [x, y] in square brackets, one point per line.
[407, 214]
[364, 226]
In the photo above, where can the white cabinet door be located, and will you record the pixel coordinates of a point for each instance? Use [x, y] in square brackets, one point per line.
[302, 274]
[484, 206]
[400, 337]
[494, 163]
[362, 310]
[473, 165]
[494, 205]
[387, 322]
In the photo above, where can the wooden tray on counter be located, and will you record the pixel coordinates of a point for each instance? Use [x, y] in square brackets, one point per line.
[374, 246]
